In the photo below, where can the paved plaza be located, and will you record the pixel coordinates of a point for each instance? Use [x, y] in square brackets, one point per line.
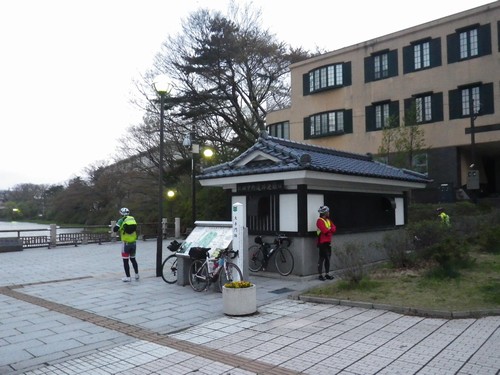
[66, 311]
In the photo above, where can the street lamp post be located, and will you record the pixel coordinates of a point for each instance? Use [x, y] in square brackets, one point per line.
[190, 142]
[162, 87]
[171, 196]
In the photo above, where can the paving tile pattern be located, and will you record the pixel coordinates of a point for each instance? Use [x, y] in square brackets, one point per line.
[66, 311]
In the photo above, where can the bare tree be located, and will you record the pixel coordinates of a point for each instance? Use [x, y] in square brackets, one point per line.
[227, 73]
[400, 144]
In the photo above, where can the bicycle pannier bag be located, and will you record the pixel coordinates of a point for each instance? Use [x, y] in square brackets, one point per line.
[198, 252]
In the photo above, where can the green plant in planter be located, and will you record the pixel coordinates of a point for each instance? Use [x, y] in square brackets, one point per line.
[239, 284]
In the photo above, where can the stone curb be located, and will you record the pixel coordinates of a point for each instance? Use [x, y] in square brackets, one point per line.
[442, 314]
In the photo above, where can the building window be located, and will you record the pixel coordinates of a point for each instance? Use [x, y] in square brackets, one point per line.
[328, 123]
[424, 108]
[419, 163]
[422, 55]
[262, 213]
[470, 98]
[469, 43]
[381, 65]
[280, 130]
[327, 77]
[382, 115]
[476, 97]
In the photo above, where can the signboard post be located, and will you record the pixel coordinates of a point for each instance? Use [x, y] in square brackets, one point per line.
[240, 238]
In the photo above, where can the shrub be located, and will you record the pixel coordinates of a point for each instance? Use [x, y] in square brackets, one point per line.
[396, 246]
[489, 239]
[450, 255]
[424, 234]
[350, 257]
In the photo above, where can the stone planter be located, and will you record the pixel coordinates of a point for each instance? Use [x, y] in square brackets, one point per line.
[239, 301]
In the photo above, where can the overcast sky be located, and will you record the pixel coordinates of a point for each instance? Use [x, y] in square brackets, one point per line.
[67, 66]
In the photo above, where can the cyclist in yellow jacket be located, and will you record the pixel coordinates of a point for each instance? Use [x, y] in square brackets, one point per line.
[326, 229]
[127, 227]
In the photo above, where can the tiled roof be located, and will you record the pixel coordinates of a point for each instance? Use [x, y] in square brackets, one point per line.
[295, 156]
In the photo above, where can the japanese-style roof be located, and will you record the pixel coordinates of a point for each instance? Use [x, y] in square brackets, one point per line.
[274, 155]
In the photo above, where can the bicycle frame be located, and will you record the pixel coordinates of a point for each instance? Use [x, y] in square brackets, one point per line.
[261, 253]
[202, 272]
[269, 248]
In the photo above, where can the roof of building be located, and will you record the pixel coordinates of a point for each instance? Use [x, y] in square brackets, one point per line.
[274, 155]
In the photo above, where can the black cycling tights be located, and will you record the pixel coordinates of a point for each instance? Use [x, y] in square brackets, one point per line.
[127, 267]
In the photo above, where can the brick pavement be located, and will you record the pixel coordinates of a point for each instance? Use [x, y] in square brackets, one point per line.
[65, 311]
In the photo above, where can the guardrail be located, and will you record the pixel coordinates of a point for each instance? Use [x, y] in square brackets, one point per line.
[81, 235]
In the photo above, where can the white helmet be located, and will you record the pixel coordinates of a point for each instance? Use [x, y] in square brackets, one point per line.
[323, 209]
[124, 211]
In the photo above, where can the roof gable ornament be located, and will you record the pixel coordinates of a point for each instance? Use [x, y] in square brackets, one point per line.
[257, 156]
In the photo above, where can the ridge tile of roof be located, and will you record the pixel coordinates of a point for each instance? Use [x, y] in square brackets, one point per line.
[294, 156]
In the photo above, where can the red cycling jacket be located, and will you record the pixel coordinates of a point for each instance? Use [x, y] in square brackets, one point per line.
[326, 228]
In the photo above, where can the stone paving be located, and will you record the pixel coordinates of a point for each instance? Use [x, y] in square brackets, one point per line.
[66, 311]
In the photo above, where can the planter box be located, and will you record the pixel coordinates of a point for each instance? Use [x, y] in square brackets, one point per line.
[239, 301]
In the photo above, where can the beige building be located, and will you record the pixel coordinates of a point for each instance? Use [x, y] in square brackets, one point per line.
[447, 70]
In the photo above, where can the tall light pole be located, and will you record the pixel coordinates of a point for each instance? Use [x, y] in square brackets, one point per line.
[191, 143]
[162, 87]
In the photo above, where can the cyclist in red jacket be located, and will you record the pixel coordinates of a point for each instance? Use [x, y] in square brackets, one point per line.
[326, 228]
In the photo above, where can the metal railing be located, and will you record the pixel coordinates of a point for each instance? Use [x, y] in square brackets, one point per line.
[83, 235]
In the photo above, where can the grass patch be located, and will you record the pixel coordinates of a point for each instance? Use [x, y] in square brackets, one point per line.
[476, 287]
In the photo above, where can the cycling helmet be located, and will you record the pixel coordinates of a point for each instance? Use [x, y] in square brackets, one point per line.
[124, 211]
[323, 209]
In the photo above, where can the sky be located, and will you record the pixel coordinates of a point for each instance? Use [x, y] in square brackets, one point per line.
[67, 67]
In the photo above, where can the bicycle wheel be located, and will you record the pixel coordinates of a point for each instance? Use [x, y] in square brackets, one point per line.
[198, 275]
[169, 269]
[233, 274]
[284, 261]
[255, 258]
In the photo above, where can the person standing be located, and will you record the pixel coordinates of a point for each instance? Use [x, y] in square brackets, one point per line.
[326, 228]
[127, 227]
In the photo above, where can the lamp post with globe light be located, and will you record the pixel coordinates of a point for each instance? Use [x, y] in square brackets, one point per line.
[191, 143]
[162, 87]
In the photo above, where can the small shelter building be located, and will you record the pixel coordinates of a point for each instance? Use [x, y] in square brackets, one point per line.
[282, 183]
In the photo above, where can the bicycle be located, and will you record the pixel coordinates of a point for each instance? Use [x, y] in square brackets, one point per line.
[260, 253]
[169, 265]
[204, 270]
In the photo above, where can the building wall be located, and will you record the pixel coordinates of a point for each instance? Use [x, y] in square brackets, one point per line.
[450, 138]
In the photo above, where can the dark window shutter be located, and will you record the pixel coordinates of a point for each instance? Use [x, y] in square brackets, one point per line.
[307, 128]
[370, 118]
[393, 63]
[484, 40]
[407, 104]
[455, 104]
[487, 103]
[437, 107]
[369, 72]
[347, 73]
[305, 84]
[453, 48]
[435, 50]
[498, 32]
[408, 59]
[348, 121]
[394, 111]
